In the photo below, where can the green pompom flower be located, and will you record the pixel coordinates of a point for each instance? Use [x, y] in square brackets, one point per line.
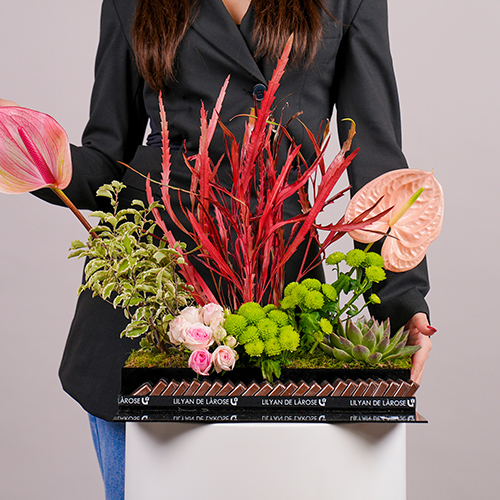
[255, 348]
[375, 274]
[335, 258]
[268, 308]
[329, 292]
[279, 317]
[374, 299]
[288, 302]
[314, 300]
[289, 339]
[267, 328]
[311, 283]
[374, 259]
[299, 292]
[355, 258]
[289, 288]
[272, 346]
[250, 334]
[235, 325]
[252, 311]
[325, 326]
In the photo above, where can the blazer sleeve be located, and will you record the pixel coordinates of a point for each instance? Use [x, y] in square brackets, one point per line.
[366, 91]
[118, 118]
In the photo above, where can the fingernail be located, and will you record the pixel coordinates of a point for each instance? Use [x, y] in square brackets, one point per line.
[432, 329]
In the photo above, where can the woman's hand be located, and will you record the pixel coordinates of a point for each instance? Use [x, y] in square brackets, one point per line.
[4, 103]
[420, 331]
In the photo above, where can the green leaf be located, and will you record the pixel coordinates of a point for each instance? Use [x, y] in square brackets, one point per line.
[123, 267]
[127, 245]
[135, 331]
[77, 253]
[75, 244]
[107, 291]
[100, 214]
[111, 219]
[93, 266]
[309, 322]
[139, 203]
[104, 192]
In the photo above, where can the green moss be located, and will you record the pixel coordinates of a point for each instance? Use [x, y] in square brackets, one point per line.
[144, 359]
[318, 359]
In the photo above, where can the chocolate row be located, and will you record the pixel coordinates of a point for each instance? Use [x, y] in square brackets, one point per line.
[344, 388]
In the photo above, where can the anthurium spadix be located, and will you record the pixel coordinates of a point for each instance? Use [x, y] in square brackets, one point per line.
[414, 221]
[34, 154]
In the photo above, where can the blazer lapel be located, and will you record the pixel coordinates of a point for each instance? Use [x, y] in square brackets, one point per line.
[215, 25]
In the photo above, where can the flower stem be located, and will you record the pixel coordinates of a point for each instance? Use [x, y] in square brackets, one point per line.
[75, 210]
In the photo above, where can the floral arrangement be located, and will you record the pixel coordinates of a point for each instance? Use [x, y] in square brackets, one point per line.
[258, 320]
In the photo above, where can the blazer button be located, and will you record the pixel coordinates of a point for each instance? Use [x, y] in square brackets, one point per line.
[258, 91]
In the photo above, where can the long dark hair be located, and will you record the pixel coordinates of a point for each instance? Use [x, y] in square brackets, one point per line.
[160, 25]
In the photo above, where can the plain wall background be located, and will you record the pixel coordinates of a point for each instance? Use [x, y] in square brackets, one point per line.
[446, 60]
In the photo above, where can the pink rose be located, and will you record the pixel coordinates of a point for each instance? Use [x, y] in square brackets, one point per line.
[198, 336]
[200, 361]
[192, 314]
[223, 358]
[176, 330]
[213, 315]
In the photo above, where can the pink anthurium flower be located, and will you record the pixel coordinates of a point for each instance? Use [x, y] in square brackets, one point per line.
[34, 153]
[413, 223]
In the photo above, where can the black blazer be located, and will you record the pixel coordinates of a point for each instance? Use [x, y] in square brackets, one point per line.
[352, 70]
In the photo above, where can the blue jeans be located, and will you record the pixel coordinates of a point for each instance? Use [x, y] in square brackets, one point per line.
[109, 443]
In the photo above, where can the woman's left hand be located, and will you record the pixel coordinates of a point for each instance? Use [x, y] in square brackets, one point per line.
[420, 331]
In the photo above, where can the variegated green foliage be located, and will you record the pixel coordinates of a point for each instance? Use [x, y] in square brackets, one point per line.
[368, 341]
[133, 270]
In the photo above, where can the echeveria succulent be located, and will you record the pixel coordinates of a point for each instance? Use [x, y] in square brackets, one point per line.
[368, 341]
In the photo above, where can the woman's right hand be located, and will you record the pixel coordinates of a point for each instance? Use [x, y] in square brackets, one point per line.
[4, 103]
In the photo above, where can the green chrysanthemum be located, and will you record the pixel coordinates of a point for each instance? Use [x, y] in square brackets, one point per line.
[335, 258]
[235, 325]
[329, 292]
[314, 300]
[375, 274]
[288, 302]
[374, 299]
[267, 328]
[289, 288]
[311, 283]
[272, 346]
[299, 292]
[355, 258]
[252, 311]
[250, 334]
[279, 317]
[374, 259]
[268, 308]
[289, 339]
[255, 348]
[325, 326]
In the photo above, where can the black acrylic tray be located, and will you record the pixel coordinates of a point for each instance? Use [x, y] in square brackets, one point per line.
[241, 396]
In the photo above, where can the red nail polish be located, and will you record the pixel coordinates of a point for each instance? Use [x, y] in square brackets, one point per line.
[432, 329]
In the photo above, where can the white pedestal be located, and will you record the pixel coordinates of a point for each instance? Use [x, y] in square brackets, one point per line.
[248, 461]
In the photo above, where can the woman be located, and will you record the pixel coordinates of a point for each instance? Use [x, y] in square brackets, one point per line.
[187, 49]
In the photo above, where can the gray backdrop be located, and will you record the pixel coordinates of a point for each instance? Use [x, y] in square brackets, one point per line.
[446, 58]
